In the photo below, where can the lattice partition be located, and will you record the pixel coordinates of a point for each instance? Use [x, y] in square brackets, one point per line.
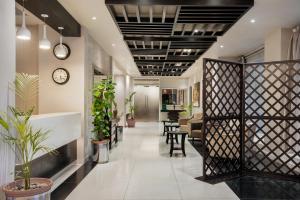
[222, 120]
[251, 119]
[272, 114]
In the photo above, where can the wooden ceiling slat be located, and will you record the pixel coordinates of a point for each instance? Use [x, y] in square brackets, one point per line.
[158, 40]
[172, 38]
[202, 3]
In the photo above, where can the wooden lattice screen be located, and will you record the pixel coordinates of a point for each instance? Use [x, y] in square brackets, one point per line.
[251, 119]
[222, 120]
[272, 116]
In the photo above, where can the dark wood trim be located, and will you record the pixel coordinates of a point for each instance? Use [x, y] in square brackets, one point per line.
[224, 3]
[171, 38]
[58, 15]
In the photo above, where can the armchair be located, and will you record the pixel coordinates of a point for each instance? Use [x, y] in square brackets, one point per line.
[192, 125]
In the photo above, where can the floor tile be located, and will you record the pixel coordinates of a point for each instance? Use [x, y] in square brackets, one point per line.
[140, 168]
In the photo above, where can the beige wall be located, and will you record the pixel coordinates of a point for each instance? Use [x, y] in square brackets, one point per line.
[276, 44]
[196, 74]
[68, 97]
[7, 74]
[120, 81]
[27, 60]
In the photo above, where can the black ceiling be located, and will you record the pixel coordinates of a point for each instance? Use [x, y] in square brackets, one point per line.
[166, 37]
[58, 15]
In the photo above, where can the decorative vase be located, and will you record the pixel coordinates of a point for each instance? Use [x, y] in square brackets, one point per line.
[39, 191]
[101, 151]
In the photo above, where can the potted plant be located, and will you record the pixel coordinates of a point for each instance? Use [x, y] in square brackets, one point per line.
[26, 142]
[130, 116]
[188, 110]
[103, 96]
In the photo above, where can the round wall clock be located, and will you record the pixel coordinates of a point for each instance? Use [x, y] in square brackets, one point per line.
[61, 52]
[60, 76]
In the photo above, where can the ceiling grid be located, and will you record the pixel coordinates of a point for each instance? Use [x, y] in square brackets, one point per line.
[166, 37]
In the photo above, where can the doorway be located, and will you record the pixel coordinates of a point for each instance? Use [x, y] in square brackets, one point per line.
[146, 102]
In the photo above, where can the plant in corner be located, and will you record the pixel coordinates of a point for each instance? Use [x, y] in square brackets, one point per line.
[103, 96]
[130, 116]
[24, 140]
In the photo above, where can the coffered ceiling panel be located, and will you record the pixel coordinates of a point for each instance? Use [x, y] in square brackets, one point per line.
[166, 37]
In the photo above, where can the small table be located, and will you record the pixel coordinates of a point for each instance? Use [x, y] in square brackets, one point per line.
[166, 122]
[169, 128]
[176, 133]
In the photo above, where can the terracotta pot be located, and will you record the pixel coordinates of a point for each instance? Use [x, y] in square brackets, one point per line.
[101, 151]
[131, 123]
[41, 192]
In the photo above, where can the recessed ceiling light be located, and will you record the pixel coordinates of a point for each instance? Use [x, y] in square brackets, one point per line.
[94, 18]
[222, 46]
[252, 21]
[196, 30]
[113, 44]
[187, 50]
[178, 64]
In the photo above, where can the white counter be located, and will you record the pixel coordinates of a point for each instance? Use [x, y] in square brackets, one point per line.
[64, 128]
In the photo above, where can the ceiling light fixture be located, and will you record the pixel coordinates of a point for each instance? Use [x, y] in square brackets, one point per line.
[178, 64]
[187, 50]
[252, 21]
[61, 51]
[222, 46]
[113, 44]
[23, 33]
[44, 42]
[196, 31]
[94, 18]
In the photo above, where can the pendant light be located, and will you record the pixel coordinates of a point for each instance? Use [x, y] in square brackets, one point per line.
[61, 51]
[23, 33]
[44, 42]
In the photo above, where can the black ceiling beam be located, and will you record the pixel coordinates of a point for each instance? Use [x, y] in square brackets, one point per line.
[225, 3]
[149, 52]
[171, 38]
[143, 19]
[58, 15]
[173, 58]
[153, 62]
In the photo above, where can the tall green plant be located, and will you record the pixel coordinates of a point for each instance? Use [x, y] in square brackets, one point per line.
[104, 94]
[129, 101]
[23, 139]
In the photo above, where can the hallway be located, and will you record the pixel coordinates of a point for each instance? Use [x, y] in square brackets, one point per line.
[140, 168]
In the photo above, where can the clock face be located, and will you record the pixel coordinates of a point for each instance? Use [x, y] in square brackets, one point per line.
[66, 50]
[60, 76]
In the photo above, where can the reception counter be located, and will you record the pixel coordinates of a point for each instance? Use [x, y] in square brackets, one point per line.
[64, 130]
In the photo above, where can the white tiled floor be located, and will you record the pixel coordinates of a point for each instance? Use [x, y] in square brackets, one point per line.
[140, 169]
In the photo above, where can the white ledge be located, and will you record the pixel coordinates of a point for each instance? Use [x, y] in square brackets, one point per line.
[64, 128]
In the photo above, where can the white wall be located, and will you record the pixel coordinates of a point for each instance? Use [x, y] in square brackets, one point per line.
[196, 73]
[120, 81]
[7, 74]
[68, 97]
[27, 61]
[277, 44]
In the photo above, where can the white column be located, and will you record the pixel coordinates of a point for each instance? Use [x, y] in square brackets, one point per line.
[7, 74]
